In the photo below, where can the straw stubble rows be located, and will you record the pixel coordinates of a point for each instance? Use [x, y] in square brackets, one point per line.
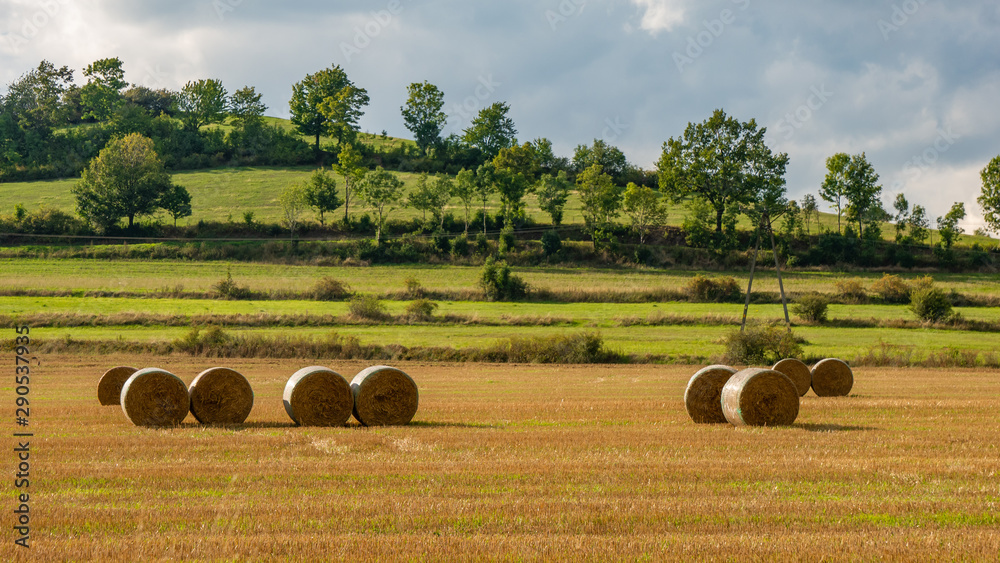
[501, 462]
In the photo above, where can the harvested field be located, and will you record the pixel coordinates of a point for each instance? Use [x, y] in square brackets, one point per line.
[588, 463]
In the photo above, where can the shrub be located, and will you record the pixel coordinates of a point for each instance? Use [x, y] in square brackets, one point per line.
[551, 243]
[330, 289]
[761, 345]
[891, 289]
[442, 243]
[718, 290]
[421, 310]
[482, 244]
[851, 291]
[368, 307]
[499, 283]
[460, 246]
[931, 304]
[583, 348]
[812, 307]
[413, 288]
[227, 288]
[508, 242]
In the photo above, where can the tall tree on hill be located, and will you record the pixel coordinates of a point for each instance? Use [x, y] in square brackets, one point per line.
[864, 204]
[321, 194]
[723, 162]
[350, 166]
[948, 225]
[382, 191]
[203, 102]
[809, 211]
[423, 114]
[491, 130]
[835, 185]
[247, 109]
[327, 103]
[989, 198]
[127, 179]
[610, 157]
[102, 93]
[36, 100]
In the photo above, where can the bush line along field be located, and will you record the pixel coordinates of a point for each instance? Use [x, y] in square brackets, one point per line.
[597, 464]
[639, 315]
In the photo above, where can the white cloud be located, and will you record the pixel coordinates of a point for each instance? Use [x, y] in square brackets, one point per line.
[661, 15]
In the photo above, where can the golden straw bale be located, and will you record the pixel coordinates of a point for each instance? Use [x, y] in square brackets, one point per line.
[318, 396]
[760, 397]
[384, 396]
[798, 372]
[154, 397]
[221, 396]
[703, 396]
[109, 389]
[832, 378]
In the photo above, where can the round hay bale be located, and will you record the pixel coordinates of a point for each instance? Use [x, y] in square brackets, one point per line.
[318, 396]
[703, 396]
[384, 396]
[221, 396]
[109, 390]
[798, 372]
[154, 397]
[760, 397]
[832, 378]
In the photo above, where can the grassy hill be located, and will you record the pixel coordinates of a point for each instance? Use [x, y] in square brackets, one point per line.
[224, 194]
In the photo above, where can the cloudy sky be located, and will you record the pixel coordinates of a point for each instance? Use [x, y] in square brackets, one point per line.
[913, 83]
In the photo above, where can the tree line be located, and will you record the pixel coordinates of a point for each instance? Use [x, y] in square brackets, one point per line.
[720, 168]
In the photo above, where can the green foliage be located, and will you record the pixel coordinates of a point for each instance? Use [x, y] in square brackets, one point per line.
[725, 163]
[177, 202]
[491, 130]
[699, 227]
[464, 188]
[421, 310]
[350, 166]
[382, 191]
[431, 196]
[718, 290]
[851, 185]
[499, 283]
[644, 208]
[601, 200]
[891, 289]
[330, 289]
[931, 304]
[761, 345]
[414, 289]
[203, 102]
[127, 179]
[423, 114]
[293, 202]
[551, 243]
[227, 288]
[812, 307]
[851, 290]
[321, 194]
[368, 307]
[327, 103]
[247, 109]
[611, 159]
[553, 193]
[507, 242]
[101, 96]
[583, 348]
[989, 198]
[948, 225]
[460, 246]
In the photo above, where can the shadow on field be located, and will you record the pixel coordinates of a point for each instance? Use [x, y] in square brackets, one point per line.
[832, 428]
[352, 425]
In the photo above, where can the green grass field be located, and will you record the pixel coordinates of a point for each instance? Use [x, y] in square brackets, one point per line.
[151, 276]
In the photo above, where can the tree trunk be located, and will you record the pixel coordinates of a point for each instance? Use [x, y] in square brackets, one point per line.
[131, 218]
[347, 198]
[718, 219]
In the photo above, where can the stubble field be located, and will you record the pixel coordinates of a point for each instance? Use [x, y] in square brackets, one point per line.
[523, 462]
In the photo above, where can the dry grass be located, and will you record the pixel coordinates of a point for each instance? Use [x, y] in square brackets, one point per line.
[591, 464]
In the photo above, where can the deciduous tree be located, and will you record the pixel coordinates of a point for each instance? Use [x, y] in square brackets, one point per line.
[102, 93]
[948, 225]
[644, 207]
[989, 199]
[127, 179]
[321, 193]
[423, 114]
[382, 191]
[491, 130]
[176, 201]
[327, 103]
[203, 102]
[553, 193]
